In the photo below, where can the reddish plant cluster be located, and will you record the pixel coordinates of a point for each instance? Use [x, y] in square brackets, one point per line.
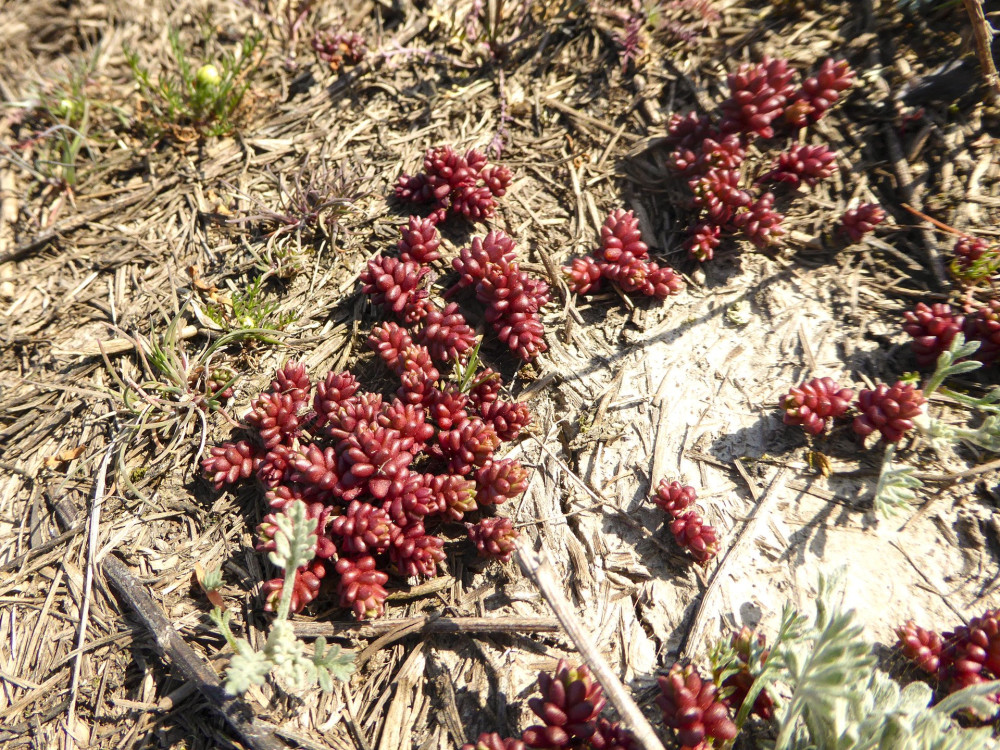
[815, 403]
[692, 708]
[510, 298]
[966, 656]
[569, 709]
[974, 259]
[377, 475]
[689, 529]
[739, 684]
[802, 164]
[494, 537]
[624, 259]
[857, 222]
[455, 184]
[338, 47]
[933, 329]
[983, 325]
[762, 99]
[699, 710]
[890, 410]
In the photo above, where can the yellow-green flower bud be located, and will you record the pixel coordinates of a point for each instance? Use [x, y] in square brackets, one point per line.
[208, 75]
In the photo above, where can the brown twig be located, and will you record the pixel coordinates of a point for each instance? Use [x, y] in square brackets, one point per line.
[538, 568]
[378, 628]
[910, 194]
[983, 35]
[181, 656]
[939, 224]
[695, 634]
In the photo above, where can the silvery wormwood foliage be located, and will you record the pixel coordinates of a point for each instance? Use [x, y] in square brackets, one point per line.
[283, 653]
[896, 484]
[837, 700]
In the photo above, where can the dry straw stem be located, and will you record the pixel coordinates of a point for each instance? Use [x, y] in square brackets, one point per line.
[983, 35]
[184, 659]
[428, 624]
[538, 568]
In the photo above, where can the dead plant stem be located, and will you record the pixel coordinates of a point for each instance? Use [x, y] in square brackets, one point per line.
[189, 665]
[983, 35]
[94, 523]
[538, 568]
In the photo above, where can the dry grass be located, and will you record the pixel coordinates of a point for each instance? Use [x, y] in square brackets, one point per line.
[146, 235]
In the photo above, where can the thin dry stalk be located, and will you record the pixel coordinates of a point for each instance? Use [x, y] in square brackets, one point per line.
[100, 484]
[185, 660]
[429, 625]
[983, 35]
[538, 568]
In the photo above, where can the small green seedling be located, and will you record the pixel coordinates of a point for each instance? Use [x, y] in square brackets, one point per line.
[206, 100]
[251, 311]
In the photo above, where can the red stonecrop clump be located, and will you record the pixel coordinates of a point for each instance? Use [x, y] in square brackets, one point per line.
[933, 329]
[819, 92]
[446, 335]
[741, 682]
[624, 259]
[511, 298]
[687, 526]
[974, 259]
[351, 459]
[719, 152]
[890, 410]
[757, 97]
[983, 325]
[674, 498]
[336, 48]
[703, 239]
[697, 537]
[308, 579]
[760, 222]
[361, 586]
[611, 735]
[969, 655]
[455, 184]
[493, 741]
[712, 156]
[396, 286]
[922, 647]
[493, 537]
[815, 403]
[420, 241]
[692, 708]
[802, 164]
[568, 707]
[717, 194]
[857, 222]
[228, 463]
[500, 480]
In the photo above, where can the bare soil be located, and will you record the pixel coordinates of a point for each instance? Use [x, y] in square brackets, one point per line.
[149, 231]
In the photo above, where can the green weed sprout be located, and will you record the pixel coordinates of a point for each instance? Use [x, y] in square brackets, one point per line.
[284, 654]
[251, 311]
[206, 99]
[174, 393]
